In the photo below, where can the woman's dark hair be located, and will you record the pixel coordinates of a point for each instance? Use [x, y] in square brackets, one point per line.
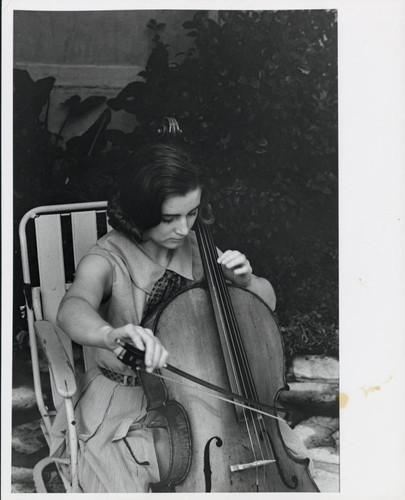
[157, 171]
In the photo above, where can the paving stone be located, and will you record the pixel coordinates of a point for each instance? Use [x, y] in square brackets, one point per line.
[328, 482]
[311, 395]
[317, 431]
[28, 438]
[22, 480]
[22, 488]
[324, 456]
[54, 483]
[315, 367]
[23, 398]
[336, 437]
[29, 461]
[21, 475]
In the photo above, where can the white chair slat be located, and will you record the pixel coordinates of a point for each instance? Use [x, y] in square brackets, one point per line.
[51, 263]
[84, 232]
[51, 268]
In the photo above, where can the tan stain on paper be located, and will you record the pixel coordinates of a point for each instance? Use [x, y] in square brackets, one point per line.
[343, 400]
[368, 389]
[374, 388]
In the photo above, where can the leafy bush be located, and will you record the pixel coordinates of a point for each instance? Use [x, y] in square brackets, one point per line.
[43, 162]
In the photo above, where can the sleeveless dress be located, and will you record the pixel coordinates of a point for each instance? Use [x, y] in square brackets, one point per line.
[116, 449]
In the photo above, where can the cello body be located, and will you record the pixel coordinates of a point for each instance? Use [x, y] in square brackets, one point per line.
[226, 442]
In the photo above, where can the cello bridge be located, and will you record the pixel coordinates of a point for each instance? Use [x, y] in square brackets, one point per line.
[256, 463]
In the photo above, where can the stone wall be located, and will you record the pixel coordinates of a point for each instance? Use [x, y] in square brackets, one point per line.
[314, 401]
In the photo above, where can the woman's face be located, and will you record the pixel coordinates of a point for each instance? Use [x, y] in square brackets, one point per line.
[178, 216]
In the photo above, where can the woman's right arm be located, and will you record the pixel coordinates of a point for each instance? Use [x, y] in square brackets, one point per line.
[79, 319]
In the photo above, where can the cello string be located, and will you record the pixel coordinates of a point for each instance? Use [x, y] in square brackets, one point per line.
[243, 371]
[253, 449]
[219, 282]
[210, 268]
[266, 440]
[237, 346]
[237, 352]
[233, 330]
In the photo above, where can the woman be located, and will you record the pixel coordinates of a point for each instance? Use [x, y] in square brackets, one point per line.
[150, 254]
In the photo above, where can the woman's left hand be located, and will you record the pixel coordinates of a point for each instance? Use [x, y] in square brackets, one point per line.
[236, 267]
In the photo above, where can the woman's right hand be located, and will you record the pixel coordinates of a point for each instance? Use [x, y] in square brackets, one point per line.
[142, 338]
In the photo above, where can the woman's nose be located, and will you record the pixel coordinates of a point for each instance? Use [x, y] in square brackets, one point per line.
[182, 226]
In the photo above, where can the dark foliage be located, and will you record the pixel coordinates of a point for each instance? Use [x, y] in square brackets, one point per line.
[257, 96]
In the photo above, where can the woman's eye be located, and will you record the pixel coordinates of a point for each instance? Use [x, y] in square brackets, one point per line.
[168, 220]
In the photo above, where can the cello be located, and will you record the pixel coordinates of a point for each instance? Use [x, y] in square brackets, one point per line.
[228, 337]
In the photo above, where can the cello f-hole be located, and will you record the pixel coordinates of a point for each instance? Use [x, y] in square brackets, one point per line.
[207, 463]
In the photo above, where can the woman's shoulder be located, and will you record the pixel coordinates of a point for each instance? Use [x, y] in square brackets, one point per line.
[105, 250]
[113, 244]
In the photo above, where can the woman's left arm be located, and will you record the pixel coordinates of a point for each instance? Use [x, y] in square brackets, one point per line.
[237, 269]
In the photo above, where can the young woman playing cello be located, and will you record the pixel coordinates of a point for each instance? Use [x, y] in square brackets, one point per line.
[151, 254]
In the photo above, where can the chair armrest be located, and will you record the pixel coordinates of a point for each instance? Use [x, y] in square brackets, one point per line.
[59, 363]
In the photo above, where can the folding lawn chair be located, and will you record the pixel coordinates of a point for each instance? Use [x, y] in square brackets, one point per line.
[53, 239]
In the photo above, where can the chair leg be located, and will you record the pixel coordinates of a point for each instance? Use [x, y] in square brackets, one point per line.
[73, 444]
[39, 469]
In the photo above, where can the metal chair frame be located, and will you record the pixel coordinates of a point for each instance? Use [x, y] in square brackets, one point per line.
[42, 304]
